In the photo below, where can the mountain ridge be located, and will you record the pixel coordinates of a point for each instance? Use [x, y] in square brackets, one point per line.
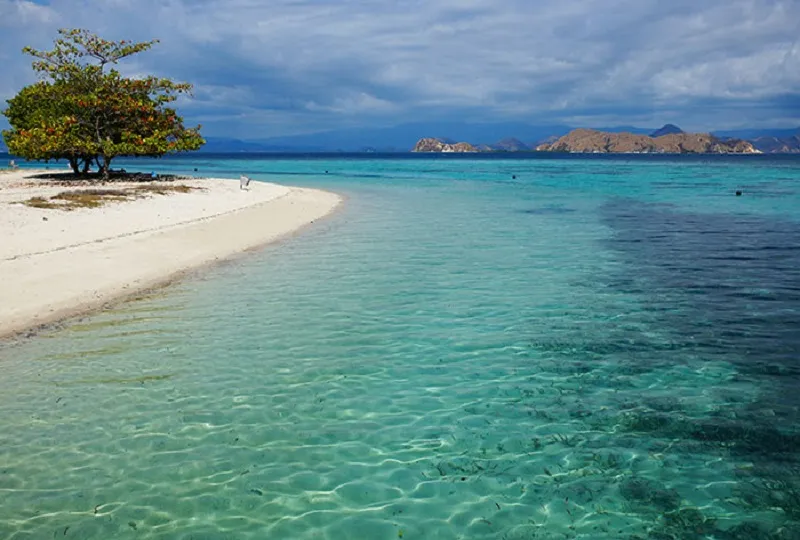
[778, 145]
[666, 129]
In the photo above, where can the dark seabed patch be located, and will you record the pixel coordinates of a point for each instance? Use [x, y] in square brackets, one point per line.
[726, 289]
[548, 209]
[730, 284]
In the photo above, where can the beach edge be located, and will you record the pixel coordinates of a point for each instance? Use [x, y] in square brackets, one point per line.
[256, 226]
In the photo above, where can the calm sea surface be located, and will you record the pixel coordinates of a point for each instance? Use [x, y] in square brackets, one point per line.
[470, 349]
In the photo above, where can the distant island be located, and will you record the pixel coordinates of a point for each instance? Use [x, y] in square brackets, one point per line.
[669, 139]
[600, 142]
[478, 137]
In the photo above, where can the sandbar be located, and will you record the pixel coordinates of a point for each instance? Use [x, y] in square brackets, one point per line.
[57, 263]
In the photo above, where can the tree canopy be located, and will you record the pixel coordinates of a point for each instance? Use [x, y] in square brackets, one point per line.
[84, 111]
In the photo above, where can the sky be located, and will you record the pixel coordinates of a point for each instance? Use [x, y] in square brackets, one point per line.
[282, 67]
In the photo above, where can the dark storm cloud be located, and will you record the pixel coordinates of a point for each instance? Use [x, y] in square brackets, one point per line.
[288, 66]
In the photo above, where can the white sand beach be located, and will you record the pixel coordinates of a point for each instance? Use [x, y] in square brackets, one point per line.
[57, 263]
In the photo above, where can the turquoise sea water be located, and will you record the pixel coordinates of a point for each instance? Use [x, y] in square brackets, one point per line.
[597, 348]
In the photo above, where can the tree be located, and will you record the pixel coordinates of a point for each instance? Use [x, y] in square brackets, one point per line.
[88, 114]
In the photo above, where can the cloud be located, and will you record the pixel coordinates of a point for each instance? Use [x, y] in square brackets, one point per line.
[293, 66]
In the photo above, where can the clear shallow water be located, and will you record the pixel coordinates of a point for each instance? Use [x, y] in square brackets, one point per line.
[595, 349]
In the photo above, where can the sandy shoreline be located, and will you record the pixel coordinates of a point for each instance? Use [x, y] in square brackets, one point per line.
[56, 264]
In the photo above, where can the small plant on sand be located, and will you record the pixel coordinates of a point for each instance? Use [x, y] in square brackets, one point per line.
[93, 198]
[165, 190]
[40, 202]
[90, 198]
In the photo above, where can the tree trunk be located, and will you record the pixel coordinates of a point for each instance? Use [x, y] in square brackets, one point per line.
[105, 167]
[73, 164]
[86, 164]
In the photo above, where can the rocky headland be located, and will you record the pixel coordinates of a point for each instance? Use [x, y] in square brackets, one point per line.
[438, 145]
